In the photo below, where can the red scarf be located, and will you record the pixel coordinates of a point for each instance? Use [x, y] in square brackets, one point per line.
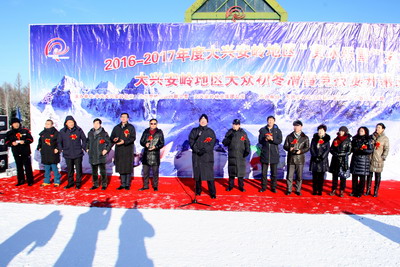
[340, 139]
[152, 132]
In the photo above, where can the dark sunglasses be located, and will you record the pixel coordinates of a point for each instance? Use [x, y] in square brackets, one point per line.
[153, 123]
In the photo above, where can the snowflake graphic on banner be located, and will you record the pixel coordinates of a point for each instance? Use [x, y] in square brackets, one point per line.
[247, 105]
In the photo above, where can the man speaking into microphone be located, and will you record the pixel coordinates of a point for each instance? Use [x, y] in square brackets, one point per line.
[202, 141]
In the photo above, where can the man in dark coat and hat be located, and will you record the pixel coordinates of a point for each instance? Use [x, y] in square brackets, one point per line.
[202, 141]
[152, 140]
[50, 153]
[72, 143]
[20, 139]
[238, 149]
[123, 136]
[296, 144]
[98, 145]
[270, 137]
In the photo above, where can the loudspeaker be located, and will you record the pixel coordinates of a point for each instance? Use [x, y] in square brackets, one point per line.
[3, 161]
[3, 123]
[3, 146]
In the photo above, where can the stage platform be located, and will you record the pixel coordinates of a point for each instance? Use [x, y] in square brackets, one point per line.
[174, 192]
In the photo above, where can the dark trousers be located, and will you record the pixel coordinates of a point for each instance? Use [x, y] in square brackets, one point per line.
[146, 175]
[125, 179]
[318, 182]
[211, 187]
[335, 177]
[103, 174]
[377, 182]
[357, 185]
[24, 167]
[232, 182]
[77, 163]
[274, 170]
[292, 169]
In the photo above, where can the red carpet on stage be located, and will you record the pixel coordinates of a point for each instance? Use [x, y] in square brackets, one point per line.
[174, 192]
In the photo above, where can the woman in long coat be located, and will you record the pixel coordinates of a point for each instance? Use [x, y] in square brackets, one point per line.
[361, 146]
[381, 150]
[319, 164]
[340, 150]
[202, 141]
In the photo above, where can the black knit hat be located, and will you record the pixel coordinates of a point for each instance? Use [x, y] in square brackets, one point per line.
[297, 123]
[203, 116]
[236, 121]
[14, 120]
[343, 129]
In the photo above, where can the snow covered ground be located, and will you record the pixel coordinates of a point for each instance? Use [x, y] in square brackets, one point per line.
[48, 235]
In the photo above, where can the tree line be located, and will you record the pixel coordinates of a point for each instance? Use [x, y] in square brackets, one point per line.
[14, 96]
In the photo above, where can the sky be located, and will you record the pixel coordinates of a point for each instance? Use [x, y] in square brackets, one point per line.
[16, 15]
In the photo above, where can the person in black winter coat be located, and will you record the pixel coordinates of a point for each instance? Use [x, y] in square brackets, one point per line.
[362, 148]
[20, 139]
[319, 163]
[202, 141]
[97, 147]
[50, 153]
[270, 137]
[123, 136]
[72, 143]
[152, 140]
[238, 144]
[340, 150]
[296, 144]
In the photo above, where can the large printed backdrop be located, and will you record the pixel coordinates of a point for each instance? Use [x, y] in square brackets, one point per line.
[332, 73]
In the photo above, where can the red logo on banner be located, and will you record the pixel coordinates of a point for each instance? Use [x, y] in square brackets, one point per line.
[55, 49]
[236, 12]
